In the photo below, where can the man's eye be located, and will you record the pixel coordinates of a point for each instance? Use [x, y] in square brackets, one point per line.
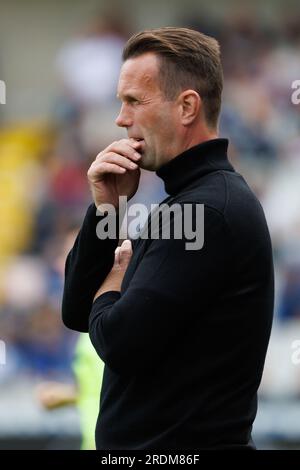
[133, 102]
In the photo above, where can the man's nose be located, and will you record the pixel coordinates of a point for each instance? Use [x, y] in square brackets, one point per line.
[124, 119]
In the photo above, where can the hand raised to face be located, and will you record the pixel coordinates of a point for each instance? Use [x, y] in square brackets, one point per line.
[115, 172]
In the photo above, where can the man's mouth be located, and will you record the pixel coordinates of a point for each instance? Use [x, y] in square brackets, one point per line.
[140, 141]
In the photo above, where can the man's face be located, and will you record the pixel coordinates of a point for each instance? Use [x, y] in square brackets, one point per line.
[145, 113]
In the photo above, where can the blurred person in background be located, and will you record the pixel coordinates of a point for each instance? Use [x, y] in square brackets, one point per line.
[87, 67]
[93, 58]
[183, 333]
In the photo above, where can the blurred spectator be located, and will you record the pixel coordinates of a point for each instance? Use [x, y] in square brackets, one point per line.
[89, 64]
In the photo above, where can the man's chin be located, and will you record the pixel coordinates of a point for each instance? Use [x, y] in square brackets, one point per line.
[147, 162]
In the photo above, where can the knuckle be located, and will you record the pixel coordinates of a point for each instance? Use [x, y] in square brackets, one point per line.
[99, 158]
[125, 252]
[113, 156]
[91, 171]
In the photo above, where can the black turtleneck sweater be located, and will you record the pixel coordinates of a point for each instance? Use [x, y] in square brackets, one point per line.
[184, 343]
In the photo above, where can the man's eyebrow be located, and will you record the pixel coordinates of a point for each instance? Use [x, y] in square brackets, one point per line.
[126, 97]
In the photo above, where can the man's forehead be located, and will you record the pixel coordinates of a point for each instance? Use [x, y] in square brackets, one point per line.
[139, 70]
[144, 62]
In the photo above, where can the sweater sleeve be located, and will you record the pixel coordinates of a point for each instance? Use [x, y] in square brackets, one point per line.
[132, 330]
[87, 265]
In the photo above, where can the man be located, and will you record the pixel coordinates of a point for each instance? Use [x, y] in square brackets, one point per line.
[183, 332]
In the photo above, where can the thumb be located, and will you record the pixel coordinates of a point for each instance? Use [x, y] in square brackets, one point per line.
[125, 253]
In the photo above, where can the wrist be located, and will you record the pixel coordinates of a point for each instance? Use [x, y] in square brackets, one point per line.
[112, 283]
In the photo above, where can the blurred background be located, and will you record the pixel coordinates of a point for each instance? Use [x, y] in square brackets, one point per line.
[60, 63]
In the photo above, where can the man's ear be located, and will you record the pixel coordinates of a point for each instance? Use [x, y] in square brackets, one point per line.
[190, 105]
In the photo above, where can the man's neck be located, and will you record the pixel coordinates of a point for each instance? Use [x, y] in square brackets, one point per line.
[194, 138]
[198, 138]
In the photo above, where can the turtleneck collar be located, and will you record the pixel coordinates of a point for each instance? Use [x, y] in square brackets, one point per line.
[193, 163]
